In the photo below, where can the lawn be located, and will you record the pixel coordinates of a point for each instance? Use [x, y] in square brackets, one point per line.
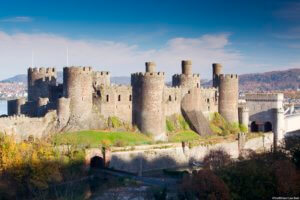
[184, 136]
[97, 138]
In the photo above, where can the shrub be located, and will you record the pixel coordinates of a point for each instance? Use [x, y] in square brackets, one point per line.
[183, 124]
[216, 159]
[204, 184]
[114, 122]
[243, 128]
[170, 126]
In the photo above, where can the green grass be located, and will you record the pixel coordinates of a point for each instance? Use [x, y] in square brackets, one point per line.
[97, 138]
[184, 136]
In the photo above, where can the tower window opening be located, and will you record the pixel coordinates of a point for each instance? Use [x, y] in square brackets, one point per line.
[107, 98]
[197, 85]
[207, 100]
[175, 98]
[119, 98]
[130, 97]
[170, 98]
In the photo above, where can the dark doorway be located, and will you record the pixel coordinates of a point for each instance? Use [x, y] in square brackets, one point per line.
[97, 162]
[268, 127]
[254, 127]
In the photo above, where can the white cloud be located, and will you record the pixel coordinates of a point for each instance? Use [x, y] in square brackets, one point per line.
[116, 57]
[17, 19]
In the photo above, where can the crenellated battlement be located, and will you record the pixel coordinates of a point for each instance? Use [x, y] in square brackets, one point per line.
[228, 76]
[78, 70]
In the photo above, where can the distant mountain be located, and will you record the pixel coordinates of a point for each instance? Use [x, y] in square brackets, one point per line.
[18, 78]
[274, 80]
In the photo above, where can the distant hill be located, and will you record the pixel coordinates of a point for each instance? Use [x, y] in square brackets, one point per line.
[274, 80]
[268, 81]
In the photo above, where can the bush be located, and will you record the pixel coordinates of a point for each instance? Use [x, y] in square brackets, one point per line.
[114, 122]
[204, 184]
[243, 128]
[183, 124]
[31, 166]
[216, 159]
[170, 126]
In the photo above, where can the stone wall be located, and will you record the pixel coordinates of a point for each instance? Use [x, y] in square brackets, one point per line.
[22, 127]
[155, 157]
[115, 100]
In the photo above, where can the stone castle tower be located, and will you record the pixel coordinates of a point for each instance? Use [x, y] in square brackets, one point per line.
[228, 96]
[148, 108]
[78, 88]
[217, 70]
[39, 82]
[186, 79]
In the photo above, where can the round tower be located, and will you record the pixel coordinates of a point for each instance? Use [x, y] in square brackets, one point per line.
[150, 67]
[78, 88]
[186, 67]
[63, 111]
[244, 116]
[187, 79]
[148, 111]
[228, 97]
[39, 82]
[14, 107]
[217, 70]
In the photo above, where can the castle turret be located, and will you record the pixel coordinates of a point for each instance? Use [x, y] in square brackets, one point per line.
[279, 128]
[148, 111]
[244, 116]
[187, 79]
[78, 88]
[14, 107]
[217, 70]
[150, 67]
[228, 97]
[39, 82]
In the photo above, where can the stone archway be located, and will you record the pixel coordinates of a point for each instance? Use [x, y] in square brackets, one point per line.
[254, 127]
[268, 127]
[97, 162]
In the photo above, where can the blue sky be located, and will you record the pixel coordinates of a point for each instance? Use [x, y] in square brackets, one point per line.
[119, 36]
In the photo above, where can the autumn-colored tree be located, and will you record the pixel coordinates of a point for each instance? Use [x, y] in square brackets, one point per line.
[204, 184]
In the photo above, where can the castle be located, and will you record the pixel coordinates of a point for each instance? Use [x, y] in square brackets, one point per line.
[86, 100]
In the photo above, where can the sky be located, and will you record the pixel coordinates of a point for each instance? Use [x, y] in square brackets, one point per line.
[119, 36]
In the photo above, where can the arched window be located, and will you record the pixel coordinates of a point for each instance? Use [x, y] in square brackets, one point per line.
[107, 98]
[119, 97]
[197, 85]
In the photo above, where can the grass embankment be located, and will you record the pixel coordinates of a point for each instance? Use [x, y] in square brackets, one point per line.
[103, 138]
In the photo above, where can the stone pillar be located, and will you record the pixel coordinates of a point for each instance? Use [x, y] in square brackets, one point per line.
[279, 126]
